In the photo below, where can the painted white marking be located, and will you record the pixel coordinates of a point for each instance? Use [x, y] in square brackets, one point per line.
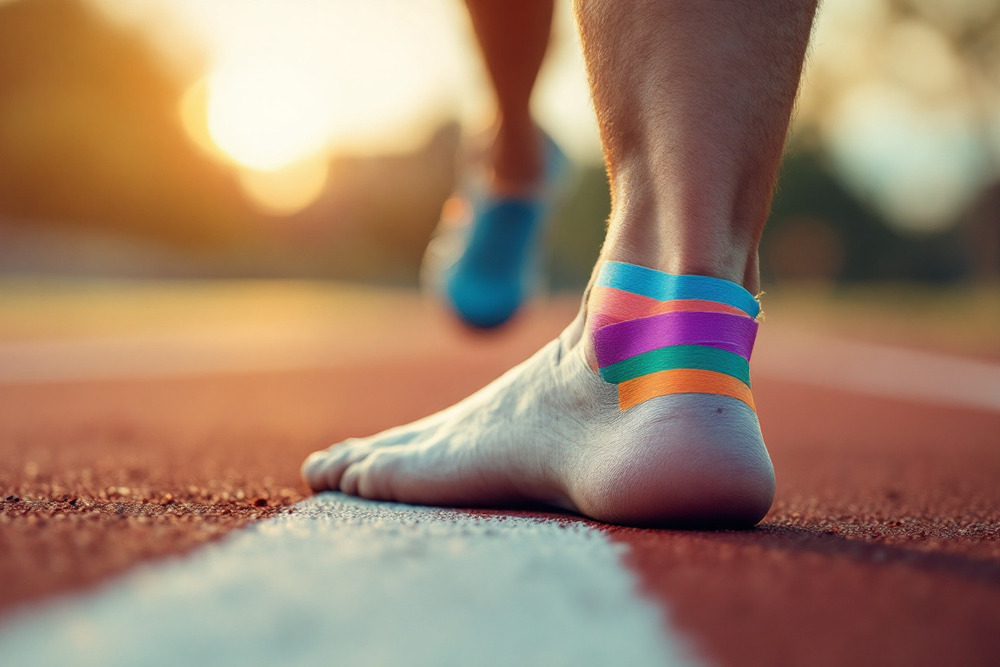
[345, 581]
[179, 354]
[876, 370]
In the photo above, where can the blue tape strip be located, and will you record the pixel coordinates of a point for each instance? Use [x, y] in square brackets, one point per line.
[667, 286]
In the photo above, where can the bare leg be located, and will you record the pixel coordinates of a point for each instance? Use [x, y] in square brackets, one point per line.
[693, 101]
[513, 36]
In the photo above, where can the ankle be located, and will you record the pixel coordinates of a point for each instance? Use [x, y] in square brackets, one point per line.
[728, 259]
[679, 224]
[517, 155]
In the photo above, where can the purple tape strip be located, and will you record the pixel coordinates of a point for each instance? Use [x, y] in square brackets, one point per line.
[617, 342]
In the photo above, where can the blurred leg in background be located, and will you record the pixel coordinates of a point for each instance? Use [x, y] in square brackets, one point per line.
[486, 257]
[513, 37]
[693, 101]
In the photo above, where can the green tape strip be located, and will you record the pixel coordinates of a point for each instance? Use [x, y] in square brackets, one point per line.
[679, 356]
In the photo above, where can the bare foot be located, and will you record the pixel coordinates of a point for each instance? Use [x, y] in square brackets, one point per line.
[550, 431]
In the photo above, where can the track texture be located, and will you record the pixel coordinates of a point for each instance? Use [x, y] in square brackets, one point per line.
[883, 547]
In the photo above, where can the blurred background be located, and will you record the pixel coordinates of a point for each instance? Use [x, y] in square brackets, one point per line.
[308, 139]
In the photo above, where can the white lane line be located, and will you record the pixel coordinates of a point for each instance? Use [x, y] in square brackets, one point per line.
[344, 581]
[876, 370]
[152, 356]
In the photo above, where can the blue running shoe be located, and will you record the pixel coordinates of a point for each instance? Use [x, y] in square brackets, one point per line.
[486, 256]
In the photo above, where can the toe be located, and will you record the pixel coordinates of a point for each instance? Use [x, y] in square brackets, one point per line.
[349, 480]
[371, 477]
[311, 470]
[322, 470]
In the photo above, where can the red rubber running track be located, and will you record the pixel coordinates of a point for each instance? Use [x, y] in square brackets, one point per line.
[883, 546]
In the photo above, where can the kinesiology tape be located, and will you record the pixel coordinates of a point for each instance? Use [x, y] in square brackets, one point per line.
[656, 333]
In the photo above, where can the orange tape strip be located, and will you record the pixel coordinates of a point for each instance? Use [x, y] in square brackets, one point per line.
[681, 381]
[609, 305]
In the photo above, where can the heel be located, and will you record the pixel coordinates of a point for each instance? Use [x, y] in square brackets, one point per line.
[684, 460]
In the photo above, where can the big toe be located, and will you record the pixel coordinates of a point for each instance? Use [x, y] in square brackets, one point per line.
[312, 470]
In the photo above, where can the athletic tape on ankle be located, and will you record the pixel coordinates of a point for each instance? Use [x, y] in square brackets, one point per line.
[656, 334]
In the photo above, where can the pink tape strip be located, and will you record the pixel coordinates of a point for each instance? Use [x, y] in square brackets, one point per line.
[609, 305]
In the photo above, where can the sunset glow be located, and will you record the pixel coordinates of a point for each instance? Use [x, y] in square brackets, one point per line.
[288, 189]
[288, 83]
[268, 115]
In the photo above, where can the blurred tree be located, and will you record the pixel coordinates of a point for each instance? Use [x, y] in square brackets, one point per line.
[819, 230]
[808, 190]
[90, 133]
[578, 229]
[972, 28]
[902, 98]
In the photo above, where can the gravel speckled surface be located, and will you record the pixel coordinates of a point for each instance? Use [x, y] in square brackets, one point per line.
[97, 476]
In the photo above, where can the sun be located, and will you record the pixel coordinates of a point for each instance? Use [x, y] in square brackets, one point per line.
[273, 122]
[268, 115]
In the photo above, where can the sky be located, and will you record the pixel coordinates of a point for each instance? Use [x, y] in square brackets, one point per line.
[291, 81]
[378, 71]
